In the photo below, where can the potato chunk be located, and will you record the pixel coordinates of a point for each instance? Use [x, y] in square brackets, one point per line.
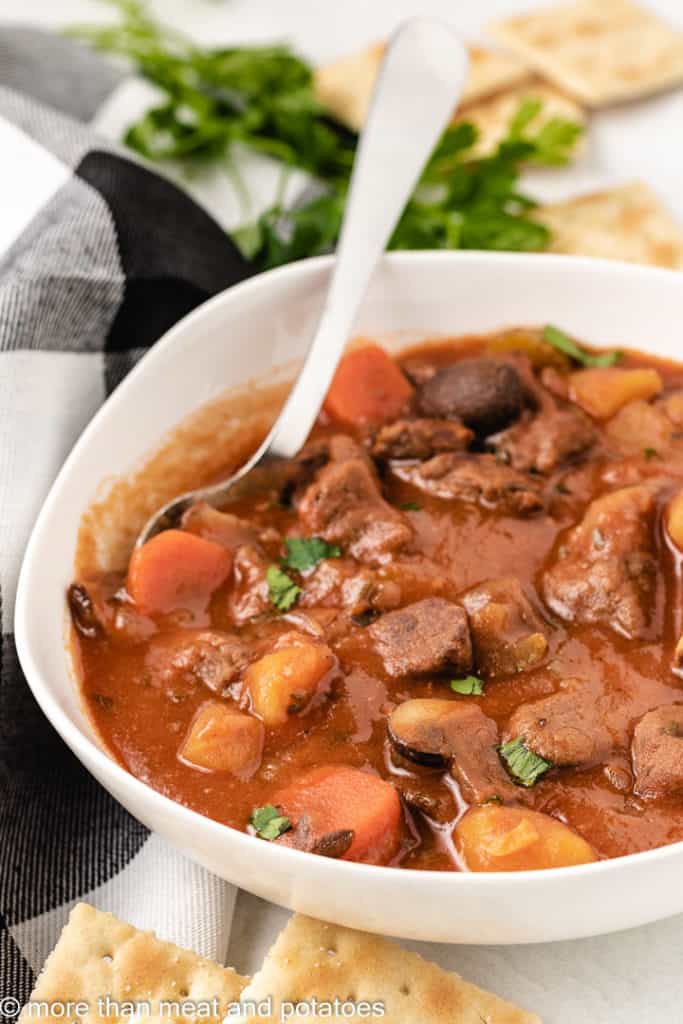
[497, 838]
[674, 520]
[223, 739]
[285, 682]
[602, 391]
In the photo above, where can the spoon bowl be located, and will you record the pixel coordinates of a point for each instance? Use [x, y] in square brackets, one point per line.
[418, 88]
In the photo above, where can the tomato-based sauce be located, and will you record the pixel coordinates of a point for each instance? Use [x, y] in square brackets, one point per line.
[592, 617]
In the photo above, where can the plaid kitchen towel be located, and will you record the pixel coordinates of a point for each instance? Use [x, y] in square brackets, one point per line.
[98, 257]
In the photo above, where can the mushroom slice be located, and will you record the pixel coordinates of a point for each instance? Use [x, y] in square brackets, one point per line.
[455, 735]
[421, 730]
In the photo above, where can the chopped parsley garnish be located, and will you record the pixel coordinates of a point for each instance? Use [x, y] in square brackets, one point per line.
[410, 506]
[268, 823]
[650, 453]
[561, 341]
[305, 552]
[470, 686]
[283, 590]
[213, 100]
[524, 766]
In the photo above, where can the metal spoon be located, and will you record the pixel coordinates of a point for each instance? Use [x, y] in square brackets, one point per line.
[418, 88]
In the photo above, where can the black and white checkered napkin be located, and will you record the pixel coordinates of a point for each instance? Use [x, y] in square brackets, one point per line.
[98, 257]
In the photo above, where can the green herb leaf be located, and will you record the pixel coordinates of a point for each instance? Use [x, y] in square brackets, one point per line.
[559, 340]
[262, 97]
[410, 506]
[469, 686]
[283, 590]
[268, 823]
[524, 766]
[212, 100]
[650, 453]
[305, 552]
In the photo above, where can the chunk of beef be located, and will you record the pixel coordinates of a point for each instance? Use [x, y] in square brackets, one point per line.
[420, 439]
[341, 583]
[429, 636]
[657, 752]
[220, 527]
[606, 567]
[479, 479]
[329, 624]
[250, 595]
[344, 506]
[486, 394]
[302, 469]
[566, 728]
[207, 656]
[541, 443]
[508, 635]
[457, 735]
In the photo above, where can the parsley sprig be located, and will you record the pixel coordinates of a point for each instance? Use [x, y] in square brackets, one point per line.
[561, 341]
[470, 686]
[268, 823]
[283, 591]
[213, 99]
[303, 553]
[306, 552]
[524, 766]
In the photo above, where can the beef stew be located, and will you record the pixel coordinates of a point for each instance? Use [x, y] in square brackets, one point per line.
[451, 641]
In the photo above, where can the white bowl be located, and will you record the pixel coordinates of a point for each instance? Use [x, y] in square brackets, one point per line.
[241, 334]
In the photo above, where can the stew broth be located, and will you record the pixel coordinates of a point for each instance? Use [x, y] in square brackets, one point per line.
[143, 711]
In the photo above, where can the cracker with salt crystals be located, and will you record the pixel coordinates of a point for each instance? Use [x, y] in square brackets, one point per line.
[601, 51]
[345, 87]
[623, 223]
[492, 116]
[315, 961]
[98, 956]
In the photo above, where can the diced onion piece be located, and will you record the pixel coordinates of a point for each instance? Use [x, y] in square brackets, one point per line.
[603, 391]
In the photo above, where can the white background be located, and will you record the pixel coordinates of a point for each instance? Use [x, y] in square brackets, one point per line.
[634, 977]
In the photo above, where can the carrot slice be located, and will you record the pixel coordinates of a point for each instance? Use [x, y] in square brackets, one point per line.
[337, 798]
[176, 570]
[368, 387]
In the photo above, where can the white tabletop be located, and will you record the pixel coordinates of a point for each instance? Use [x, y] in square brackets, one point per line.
[633, 977]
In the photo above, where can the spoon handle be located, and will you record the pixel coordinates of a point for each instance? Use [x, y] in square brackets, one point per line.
[419, 85]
